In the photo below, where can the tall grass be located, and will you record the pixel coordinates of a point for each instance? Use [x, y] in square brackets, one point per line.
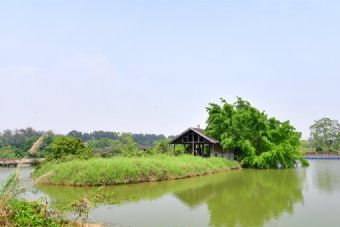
[7, 192]
[123, 170]
[15, 212]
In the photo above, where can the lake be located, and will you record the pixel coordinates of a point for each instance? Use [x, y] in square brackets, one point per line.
[244, 198]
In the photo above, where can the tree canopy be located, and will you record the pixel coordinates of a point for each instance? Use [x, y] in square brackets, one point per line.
[16, 143]
[325, 133]
[140, 139]
[68, 147]
[258, 141]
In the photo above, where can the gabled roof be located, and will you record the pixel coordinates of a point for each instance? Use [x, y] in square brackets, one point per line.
[200, 132]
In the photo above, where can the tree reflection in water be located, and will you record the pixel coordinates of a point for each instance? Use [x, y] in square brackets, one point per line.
[240, 198]
[249, 197]
[325, 175]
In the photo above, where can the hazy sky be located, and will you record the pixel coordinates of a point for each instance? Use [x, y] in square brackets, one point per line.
[153, 66]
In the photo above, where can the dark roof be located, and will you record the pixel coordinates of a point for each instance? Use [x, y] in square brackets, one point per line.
[199, 131]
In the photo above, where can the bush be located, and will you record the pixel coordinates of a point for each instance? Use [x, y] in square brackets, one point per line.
[31, 214]
[7, 152]
[163, 147]
[18, 213]
[64, 147]
[125, 146]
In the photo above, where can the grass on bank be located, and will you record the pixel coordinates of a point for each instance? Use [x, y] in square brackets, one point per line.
[124, 170]
[15, 212]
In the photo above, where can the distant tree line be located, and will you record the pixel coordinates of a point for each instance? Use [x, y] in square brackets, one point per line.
[16, 143]
[140, 139]
[95, 135]
[106, 143]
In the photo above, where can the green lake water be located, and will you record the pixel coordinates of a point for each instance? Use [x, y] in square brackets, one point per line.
[303, 197]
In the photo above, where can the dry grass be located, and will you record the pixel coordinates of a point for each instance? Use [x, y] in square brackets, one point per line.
[36, 146]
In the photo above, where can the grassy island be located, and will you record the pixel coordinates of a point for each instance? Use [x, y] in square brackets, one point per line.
[124, 170]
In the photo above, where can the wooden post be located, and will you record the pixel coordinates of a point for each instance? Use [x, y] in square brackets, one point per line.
[193, 143]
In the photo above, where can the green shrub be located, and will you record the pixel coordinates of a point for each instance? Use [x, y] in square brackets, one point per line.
[64, 147]
[31, 214]
[8, 152]
[125, 146]
[163, 147]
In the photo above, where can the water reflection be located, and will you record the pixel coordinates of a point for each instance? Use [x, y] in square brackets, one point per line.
[325, 174]
[241, 198]
[246, 198]
[257, 197]
[4, 173]
[30, 192]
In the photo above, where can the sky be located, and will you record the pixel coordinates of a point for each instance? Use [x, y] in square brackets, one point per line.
[154, 66]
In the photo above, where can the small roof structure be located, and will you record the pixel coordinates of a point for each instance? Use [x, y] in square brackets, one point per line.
[194, 135]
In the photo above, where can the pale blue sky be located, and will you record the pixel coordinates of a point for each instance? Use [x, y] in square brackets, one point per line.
[153, 66]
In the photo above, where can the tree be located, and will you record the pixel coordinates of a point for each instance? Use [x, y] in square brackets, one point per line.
[45, 148]
[7, 152]
[147, 139]
[125, 145]
[99, 144]
[140, 139]
[306, 146]
[325, 132]
[20, 139]
[64, 147]
[258, 141]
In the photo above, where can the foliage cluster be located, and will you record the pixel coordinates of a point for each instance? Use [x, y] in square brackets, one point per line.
[16, 143]
[95, 135]
[8, 152]
[122, 170]
[325, 135]
[123, 145]
[147, 139]
[45, 148]
[64, 147]
[163, 147]
[17, 213]
[258, 141]
[140, 139]
[24, 213]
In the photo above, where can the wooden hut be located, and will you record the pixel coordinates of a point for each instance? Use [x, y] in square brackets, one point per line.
[196, 142]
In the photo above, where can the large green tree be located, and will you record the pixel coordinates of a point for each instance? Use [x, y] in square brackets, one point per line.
[258, 141]
[325, 132]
